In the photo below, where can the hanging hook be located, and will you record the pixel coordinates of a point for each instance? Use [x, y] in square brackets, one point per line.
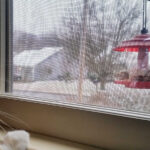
[144, 30]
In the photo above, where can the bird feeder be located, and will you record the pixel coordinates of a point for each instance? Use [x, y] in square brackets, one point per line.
[141, 45]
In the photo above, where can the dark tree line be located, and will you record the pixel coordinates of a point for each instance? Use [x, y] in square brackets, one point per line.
[27, 41]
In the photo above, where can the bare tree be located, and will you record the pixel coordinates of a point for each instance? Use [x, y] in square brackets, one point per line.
[108, 23]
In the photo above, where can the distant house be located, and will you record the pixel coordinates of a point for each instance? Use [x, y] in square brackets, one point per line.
[46, 64]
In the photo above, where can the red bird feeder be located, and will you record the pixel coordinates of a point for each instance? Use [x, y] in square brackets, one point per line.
[141, 45]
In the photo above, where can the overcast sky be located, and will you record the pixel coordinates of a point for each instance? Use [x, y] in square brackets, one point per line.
[40, 16]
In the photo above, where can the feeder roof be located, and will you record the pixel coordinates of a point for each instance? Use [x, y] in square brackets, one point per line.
[133, 45]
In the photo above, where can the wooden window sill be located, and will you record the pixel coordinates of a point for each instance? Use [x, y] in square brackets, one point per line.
[41, 142]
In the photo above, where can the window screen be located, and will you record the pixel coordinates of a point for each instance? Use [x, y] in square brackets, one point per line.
[63, 51]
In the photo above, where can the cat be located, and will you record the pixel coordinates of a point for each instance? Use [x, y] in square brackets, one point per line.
[16, 140]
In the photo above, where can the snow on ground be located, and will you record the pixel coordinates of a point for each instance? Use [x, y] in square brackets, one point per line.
[55, 86]
[116, 96]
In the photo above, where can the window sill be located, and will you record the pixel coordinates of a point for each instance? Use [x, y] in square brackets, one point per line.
[41, 142]
[79, 124]
[79, 106]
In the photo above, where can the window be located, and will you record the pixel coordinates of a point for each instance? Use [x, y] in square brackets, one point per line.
[84, 75]
[63, 50]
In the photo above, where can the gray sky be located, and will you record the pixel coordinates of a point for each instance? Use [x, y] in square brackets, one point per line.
[41, 16]
[38, 16]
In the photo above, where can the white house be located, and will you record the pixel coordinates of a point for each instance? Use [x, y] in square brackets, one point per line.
[46, 64]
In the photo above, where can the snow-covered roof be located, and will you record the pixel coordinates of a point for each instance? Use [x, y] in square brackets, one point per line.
[30, 58]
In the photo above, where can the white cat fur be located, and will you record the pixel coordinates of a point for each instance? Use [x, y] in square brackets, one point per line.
[16, 140]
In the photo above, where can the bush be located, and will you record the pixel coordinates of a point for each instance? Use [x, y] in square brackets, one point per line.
[66, 77]
[94, 78]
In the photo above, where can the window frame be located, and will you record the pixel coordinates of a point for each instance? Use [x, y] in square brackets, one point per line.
[2, 44]
[6, 73]
[9, 46]
[100, 113]
[6, 41]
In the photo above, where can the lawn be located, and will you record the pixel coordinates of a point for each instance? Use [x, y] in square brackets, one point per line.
[115, 96]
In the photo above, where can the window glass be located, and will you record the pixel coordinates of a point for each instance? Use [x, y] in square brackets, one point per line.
[63, 50]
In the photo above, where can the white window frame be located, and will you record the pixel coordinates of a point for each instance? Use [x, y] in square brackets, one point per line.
[91, 113]
[5, 25]
[5, 18]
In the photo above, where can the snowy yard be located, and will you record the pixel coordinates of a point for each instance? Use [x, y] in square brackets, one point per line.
[55, 86]
[116, 96]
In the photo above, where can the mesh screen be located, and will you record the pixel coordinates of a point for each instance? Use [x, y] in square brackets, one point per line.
[62, 50]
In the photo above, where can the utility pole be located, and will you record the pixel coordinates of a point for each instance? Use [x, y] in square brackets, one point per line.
[82, 51]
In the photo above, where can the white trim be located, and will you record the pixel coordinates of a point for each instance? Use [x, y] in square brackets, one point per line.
[84, 107]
